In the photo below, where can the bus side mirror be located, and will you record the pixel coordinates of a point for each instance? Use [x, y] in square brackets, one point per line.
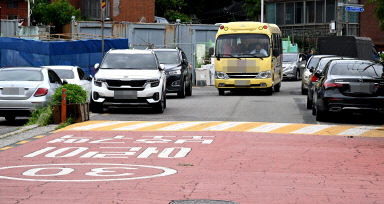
[275, 52]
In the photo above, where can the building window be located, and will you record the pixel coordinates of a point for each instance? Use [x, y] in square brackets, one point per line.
[271, 10]
[299, 14]
[331, 10]
[12, 4]
[12, 17]
[289, 13]
[319, 11]
[280, 14]
[310, 12]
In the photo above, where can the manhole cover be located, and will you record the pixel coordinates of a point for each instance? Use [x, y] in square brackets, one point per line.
[201, 201]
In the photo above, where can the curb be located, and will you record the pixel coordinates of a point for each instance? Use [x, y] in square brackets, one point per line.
[23, 129]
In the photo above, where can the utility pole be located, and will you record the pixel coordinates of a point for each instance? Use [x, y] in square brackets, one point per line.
[262, 11]
[102, 9]
[339, 23]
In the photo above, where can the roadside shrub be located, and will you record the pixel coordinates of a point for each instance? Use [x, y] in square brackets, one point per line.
[75, 94]
[41, 116]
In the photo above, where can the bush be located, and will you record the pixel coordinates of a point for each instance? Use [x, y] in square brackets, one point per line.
[75, 94]
[41, 116]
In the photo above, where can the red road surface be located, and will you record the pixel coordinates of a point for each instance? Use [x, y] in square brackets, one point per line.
[136, 167]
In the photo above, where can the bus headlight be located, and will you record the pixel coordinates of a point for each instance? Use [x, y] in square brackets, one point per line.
[264, 75]
[221, 75]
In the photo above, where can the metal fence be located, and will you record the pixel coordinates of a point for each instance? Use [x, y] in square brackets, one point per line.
[8, 27]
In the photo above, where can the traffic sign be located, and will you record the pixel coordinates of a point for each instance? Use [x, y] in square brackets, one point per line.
[354, 9]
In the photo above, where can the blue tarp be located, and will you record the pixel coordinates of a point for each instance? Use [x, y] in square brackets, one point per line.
[83, 53]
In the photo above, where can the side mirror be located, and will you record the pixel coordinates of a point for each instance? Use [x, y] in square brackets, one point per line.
[275, 52]
[162, 67]
[97, 66]
[65, 82]
[89, 78]
[311, 69]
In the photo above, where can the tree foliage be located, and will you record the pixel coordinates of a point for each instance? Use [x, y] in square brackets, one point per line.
[172, 10]
[57, 13]
[379, 11]
[253, 8]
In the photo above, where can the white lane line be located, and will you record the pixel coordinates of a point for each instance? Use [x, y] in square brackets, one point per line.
[181, 126]
[356, 131]
[269, 127]
[312, 129]
[140, 125]
[224, 126]
[98, 125]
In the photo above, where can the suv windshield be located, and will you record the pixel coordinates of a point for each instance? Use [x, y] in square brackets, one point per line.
[168, 57]
[289, 57]
[21, 75]
[129, 61]
[64, 73]
[242, 45]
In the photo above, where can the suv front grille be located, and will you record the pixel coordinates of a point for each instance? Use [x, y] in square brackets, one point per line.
[132, 83]
[241, 75]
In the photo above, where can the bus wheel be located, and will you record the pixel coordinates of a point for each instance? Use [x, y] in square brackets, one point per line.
[276, 87]
[268, 91]
[221, 92]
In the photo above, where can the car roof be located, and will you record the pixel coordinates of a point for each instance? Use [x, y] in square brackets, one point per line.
[67, 67]
[24, 68]
[351, 60]
[322, 56]
[131, 51]
[165, 49]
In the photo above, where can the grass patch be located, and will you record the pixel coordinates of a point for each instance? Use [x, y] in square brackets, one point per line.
[63, 125]
[41, 116]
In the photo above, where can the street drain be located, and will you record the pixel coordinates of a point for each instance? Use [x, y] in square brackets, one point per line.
[201, 201]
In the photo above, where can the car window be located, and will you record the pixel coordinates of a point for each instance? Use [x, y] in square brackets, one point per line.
[289, 57]
[168, 57]
[65, 73]
[243, 45]
[357, 69]
[81, 73]
[313, 62]
[53, 78]
[129, 61]
[21, 75]
[323, 62]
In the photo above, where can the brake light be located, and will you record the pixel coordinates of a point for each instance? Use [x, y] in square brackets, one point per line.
[331, 85]
[41, 92]
[314, 78]
[265, 27]
[222, 27]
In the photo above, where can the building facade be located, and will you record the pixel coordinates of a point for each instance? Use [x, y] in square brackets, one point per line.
[369, 26]
[14, 9]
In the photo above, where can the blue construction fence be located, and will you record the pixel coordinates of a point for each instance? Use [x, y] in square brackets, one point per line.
[16, 52]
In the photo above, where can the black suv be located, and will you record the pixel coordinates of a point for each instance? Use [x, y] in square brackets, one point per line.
[177, 69]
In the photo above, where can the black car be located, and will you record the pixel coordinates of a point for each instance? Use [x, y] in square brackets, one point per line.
[354, 85]
[178, 71]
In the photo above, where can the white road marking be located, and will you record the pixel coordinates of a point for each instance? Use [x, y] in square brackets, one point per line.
[98, 125]
[356, 131]
[224, 126]
[269, 127]
[312, 129]
[140, 125]
[181, 126]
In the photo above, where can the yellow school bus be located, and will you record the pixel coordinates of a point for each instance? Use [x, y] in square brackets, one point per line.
[248, 55]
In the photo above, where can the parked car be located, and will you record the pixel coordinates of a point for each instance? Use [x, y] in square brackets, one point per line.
[23, 89]
[73, 75]
[293, 65]
[178, 71]
[313, 79]
[349, 85]
[312, 62]
[129, 77]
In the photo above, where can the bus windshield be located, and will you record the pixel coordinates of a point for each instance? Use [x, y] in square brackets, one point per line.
[242, 45]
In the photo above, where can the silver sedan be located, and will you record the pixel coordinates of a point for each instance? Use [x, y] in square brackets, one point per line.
[23, 89]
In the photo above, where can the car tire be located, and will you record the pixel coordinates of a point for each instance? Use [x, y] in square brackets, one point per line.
[10, 118]
[297, 75]
[303, 90]
[309, 103]
[221, 92]
[181, 92]
[268, 91]
[96, 107]
[189, 89]
[160, 106]
[277, 87]
[321, 115]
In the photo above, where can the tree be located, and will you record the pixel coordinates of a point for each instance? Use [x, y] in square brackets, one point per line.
[253, 8]
[379, 11]
[56, 14]
[171, 9]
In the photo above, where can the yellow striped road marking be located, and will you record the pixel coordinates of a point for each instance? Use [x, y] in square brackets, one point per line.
[5, 148]
[263, 127]
[23, 142]
[39, 136]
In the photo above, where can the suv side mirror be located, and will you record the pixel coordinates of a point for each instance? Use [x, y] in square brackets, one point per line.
[97, 66]
[275, 52]
[162, 67]
[311, 69]
[65, 82]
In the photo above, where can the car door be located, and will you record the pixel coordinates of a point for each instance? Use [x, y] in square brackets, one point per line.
[84, 82]
[186, 67]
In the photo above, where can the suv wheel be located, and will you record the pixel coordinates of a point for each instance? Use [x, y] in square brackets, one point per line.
[96, 107]
[188, 92]
[181, 93]
[161, 105]
[276, 88]
[221, 92]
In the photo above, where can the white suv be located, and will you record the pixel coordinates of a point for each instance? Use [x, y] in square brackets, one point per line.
[129, 77]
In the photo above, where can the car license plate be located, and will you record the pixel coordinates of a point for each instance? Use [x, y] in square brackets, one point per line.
[361, 88]
[12, 91]
[242, 82]
[125, 95]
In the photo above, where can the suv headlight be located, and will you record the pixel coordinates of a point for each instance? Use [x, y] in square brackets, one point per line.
[264, 75]
[174, 72]
[99, 82]
[154, 83]
[221, 75]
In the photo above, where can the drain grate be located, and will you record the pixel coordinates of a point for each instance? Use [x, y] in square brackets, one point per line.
[201, 201]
